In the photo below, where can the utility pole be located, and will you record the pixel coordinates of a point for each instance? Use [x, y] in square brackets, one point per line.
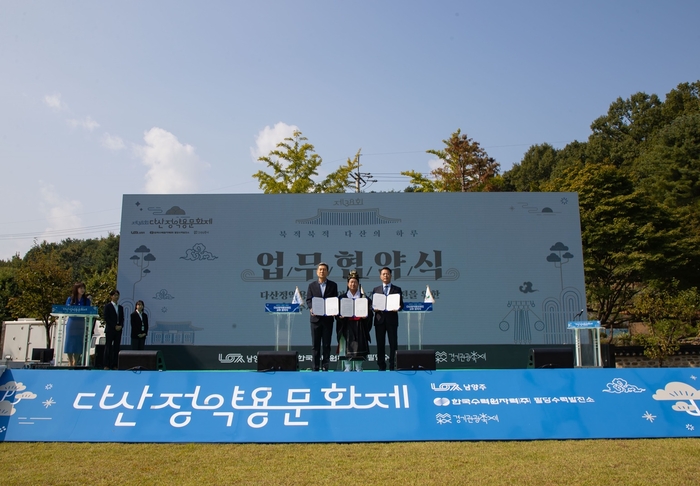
[361, 177]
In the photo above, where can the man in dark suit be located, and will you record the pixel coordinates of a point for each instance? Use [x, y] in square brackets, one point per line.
[386, 323]
[114, 323]
[321, 326]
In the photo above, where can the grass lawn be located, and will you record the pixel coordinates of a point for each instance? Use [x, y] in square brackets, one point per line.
[590, 462]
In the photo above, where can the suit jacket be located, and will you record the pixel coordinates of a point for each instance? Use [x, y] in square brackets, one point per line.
[315, 291]
[389, 317]
[112, 319]
[136, 322]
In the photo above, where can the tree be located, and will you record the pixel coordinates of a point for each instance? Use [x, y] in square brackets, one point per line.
[619, 137]
[8, 285]
[534, 170]
[83, 257]
[669, 315]
[670, 169]
[293, 165]
[627, 239]
[42, 282]
[340, 180]
[465, 167]
[100, 284]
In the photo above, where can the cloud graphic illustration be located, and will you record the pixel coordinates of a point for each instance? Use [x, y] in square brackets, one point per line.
[677, 390]
[618, 385]
[198, 252]
[13, 386]
[176, 210]
[6, 409]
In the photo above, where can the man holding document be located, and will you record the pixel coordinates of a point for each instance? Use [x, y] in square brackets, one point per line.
[386, 302]
[322, 301]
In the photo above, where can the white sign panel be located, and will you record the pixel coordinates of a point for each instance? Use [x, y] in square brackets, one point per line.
[503, 268]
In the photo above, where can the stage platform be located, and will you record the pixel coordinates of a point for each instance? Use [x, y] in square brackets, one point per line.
[288, 407]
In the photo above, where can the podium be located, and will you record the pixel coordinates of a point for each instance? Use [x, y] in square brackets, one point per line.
[588, 355]
[62, 313]
[416, 312]
[283, 315]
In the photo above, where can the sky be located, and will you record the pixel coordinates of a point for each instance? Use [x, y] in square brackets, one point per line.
[101, 99]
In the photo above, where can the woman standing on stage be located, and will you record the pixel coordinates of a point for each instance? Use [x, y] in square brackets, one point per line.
[139, 327]
[75, 327]
[353, 332]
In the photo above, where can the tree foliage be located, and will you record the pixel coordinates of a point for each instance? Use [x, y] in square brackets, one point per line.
[625, 237]
[294, 164]
[534, 170]
[638, 181]
[29, 286]
[670, 316]
[8, 285]
[42, 281]
[466, 167]
[82, 256]
[340, 180]
[99, 284]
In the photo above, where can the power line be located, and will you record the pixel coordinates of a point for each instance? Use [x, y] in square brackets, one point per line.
[63, 233]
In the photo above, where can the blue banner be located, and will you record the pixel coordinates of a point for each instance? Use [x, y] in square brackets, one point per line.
[283, 308]
[110, 406]
[74, 309]
[418, 306]
[583, 325]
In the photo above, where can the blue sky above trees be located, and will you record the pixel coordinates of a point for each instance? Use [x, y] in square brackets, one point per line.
[100, 99]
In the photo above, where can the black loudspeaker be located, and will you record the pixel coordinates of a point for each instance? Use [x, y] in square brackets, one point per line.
[141, 360]
[43, 355]
[278, 360]
[552, 357]
[423, 359]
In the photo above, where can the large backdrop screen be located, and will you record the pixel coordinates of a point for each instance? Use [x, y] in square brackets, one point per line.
[503, 268]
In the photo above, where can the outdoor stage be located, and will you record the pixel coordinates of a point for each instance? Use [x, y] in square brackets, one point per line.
[215, 406]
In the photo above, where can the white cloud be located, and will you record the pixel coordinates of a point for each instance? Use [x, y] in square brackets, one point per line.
[269, 137]
[112, 142]
[173, 167]
[86, 123]
[54, 102]
[61, 212]
[435, 164]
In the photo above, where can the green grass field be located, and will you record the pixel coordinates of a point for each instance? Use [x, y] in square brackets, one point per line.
[587, 462]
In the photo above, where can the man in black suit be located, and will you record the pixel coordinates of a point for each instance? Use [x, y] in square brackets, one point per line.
[386, 323]
[321, 326]
[114, 323]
